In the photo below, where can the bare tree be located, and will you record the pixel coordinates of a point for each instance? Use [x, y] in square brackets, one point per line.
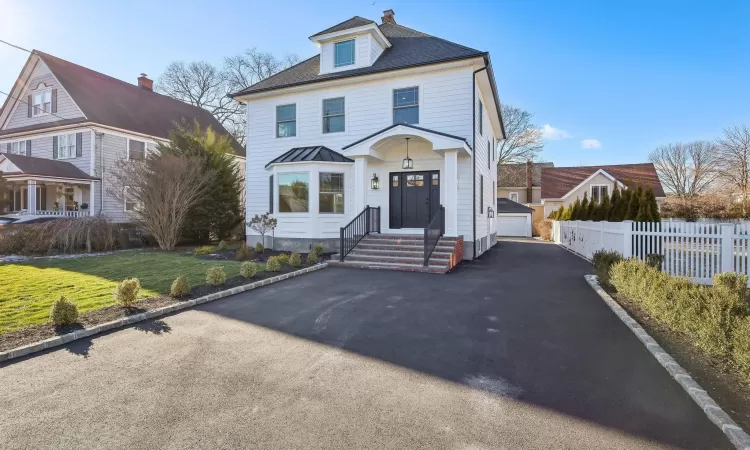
[686, 169]
[523, 140]
[162, 190]
[733, 152]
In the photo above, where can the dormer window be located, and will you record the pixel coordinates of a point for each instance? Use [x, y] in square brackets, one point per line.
[344, 53]
[42, 102]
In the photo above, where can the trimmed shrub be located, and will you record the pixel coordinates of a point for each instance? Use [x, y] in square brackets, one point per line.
[126, 291]
[318, 250]
[603, 262]
[741, 347]
[312, 258]
[248, 269]
[273, 264]
[283, 258]
[222, 246]
[63, 311]
[216, 276]
[243, 253]
[295, 260]
[205, 250]
[259, 248]
[180, 287]
[655, 260]
[733, 281]
[543, 229]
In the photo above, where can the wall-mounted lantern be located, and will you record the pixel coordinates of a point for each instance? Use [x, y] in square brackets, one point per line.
[490, 212]
[407, 163]
[375, 182]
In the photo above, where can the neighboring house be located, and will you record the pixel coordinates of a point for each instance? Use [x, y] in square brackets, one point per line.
[64, 127]
[563, 185]
[329, 136]
[522, 182]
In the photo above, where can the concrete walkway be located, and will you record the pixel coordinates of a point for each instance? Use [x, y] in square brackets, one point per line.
[512, 351]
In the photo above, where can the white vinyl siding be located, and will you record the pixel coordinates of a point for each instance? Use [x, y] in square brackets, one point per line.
[486, 173]
[41, 147]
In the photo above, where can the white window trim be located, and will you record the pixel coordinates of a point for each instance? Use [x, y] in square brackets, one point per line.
[510, 196]
[137, 206]
[343, 192]
[276, 120]
[59, 140]
[354, 61]
[277, 194]
[323, 116]
[418, 105]
[591, 190]
[4, 147]
[42, 91]
[145, 148]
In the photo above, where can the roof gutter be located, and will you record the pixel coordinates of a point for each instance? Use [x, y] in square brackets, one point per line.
[474, 158]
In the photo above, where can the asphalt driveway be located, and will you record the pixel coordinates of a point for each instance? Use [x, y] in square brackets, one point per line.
[512, 351]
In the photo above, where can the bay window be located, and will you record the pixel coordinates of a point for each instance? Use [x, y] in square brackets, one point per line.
[294, 192]
[331, 193]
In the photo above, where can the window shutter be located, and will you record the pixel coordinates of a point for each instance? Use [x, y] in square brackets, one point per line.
[489, 154]
[8, 147]
[54, 101]
[54, 147]
[79, 144]
[28, 147]
[270, 194]
[29, 104]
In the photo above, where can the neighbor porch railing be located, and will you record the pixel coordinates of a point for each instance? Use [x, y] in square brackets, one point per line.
[366, 222]
[45, 213]
[432, 234]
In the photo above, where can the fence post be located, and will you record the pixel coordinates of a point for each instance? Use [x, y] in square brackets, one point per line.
[627, 238]
[727, 247]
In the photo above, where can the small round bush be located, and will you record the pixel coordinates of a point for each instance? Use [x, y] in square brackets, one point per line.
[126, 291]
[295, 260]
[205, 250]
[222, 246]
[259, 247]
[273, 264]
[318, 250]
[283, 258]
[216, 276]
[312, 258]
[63, 311]
[248, 269]
[243, 253]
[180, 287]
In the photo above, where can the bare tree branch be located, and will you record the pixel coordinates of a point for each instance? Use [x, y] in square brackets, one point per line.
[686, 169]
[733, 152]
[523, 141]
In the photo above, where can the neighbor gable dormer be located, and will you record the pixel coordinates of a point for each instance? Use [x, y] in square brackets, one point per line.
[352, 44]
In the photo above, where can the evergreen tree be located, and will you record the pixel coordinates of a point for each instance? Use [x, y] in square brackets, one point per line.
[634, 204]
[650, 206]
[591, 213]
[583, 212]
[603, 208]
[575, 212]
[613, 204]
[559, 213]
[621, 209]
[568, 214]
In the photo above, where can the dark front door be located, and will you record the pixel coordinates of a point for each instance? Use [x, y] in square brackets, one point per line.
[414, 198]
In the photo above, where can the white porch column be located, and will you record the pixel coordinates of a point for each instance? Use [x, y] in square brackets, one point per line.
[360, 184]
[32, 196]
[92, 198]
[450, 182]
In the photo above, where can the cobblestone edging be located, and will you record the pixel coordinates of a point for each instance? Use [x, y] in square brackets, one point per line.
[736, 435]
[65, 338]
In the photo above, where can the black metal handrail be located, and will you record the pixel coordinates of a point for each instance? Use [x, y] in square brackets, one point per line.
[366, 222]
[432, 234]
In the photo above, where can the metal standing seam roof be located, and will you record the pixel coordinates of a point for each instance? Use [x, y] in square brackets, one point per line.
[306, 154]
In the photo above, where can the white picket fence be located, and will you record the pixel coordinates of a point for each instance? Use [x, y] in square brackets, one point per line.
[694, 250]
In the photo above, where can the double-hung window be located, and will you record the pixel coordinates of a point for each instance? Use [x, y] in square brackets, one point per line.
[131, 202]
[331, 193]
[136, 150]
[344, 53]
[66, 146]
[333, 115]
[18, 148]
[286, 120]
[294, 192]
[42, 103]
[406, 105]
[598, 192]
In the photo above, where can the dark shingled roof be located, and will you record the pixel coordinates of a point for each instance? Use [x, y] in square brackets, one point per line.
[506, 205]
[558, 181]
[303, 154]
[28, 165]
[410, 48]
[354, 22]
[109, 101]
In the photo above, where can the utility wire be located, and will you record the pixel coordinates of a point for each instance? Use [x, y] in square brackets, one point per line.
[15, 46]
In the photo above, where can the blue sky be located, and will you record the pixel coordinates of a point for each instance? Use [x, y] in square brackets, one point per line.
[630, 75]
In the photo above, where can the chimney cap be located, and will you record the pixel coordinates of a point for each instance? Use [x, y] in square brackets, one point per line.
[388, 16]
[143, 75]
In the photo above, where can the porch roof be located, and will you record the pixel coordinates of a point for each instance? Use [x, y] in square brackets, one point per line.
[425, 130]
[306, 154]
[22, 165]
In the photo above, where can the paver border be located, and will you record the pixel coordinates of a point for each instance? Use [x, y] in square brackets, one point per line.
[729, 427]
[129, 320]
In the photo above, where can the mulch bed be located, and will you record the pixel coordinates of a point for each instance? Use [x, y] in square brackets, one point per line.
[38, 333]
[230, 255]
[721, 382]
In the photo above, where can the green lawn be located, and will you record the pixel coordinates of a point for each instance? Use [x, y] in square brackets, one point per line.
[28, 289]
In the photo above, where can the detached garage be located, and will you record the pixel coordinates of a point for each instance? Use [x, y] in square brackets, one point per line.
[513, 219]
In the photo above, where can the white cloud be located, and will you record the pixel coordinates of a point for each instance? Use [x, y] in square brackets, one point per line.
[590, 144]
[551, 133]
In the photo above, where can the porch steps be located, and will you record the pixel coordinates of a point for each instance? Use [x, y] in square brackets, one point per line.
[398, 252]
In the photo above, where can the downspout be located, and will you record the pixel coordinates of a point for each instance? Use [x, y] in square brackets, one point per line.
[474, 159]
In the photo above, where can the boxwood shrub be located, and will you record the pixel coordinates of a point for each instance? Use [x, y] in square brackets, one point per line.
[603, 261]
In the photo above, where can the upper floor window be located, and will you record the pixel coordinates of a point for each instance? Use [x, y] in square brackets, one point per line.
[333, 115]
[18, 148]
[598, 192]
[344, 53]
[286, 120]
[406, 105]
[136, 150]
[66, 146]
[513, 196]
[481, 118]
[42, 103]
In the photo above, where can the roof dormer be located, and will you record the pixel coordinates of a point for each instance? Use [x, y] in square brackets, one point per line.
[354, 43]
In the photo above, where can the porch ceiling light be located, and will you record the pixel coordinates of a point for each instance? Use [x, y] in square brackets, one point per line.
[408, 163]
[375, 182]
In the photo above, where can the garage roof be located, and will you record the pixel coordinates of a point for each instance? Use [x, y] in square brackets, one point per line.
[505, 205]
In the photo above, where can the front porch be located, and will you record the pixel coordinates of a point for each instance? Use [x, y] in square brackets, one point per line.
[34, 198]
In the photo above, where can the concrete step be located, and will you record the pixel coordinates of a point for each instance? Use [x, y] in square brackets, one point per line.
[419, 260]
[403, 241]
[399, 252]
[402, 247]
[390, 266]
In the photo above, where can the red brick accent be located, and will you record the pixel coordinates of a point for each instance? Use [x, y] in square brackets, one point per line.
[145, 83]
[458, 253]
[388, 16]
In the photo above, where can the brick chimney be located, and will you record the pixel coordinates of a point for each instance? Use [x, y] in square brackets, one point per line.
[529, 181]
[389, 16]
[145, 82]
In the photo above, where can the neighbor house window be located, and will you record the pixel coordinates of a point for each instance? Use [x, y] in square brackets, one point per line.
[294, 192]
[18, 148]
[598, 192]
[42, 103]
[406, 105]
[286, 120]
[66, 146]
[513, 196]
[136, 150]
[131, 203]
[344, 53]
[333, 115]
[481, 118]
[331, 196]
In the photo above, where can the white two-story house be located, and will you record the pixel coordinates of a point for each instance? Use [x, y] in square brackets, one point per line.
[383, 117]
[63, 129]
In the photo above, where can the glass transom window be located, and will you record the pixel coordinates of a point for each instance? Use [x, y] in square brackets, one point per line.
[406, 105]
[333, 115]
[294, 192]
[331, 195]
[344, 53]
[286, 120]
